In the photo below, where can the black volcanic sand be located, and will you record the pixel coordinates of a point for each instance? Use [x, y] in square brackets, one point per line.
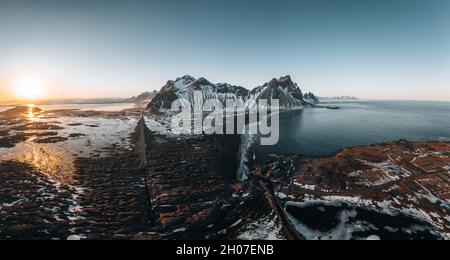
[188, 189]
[106, 201]
[108, 198]
[114, 205]
[194, 192]
[31, 207]
[11, 141]
[37, 126]
[50, 140]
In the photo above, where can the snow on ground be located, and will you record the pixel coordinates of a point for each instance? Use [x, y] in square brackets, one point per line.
[180, 230]
[281, 195]
[344, 229]
[163, 126]
[305, 187]
[156, 126]
[265, 228]
[183, 83]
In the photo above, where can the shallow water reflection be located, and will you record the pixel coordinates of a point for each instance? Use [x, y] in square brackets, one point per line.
[52, 143]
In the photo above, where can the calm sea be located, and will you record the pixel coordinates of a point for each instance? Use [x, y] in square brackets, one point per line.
[324, 132]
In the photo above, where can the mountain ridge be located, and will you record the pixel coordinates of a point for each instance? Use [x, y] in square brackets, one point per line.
[284, 89]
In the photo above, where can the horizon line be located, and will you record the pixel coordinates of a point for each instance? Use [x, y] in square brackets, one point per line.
[16, 102]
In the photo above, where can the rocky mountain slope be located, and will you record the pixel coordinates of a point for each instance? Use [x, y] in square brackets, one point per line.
[311, 98]
[284, 89]
[145, 96]
[185, 87]
[287, 92]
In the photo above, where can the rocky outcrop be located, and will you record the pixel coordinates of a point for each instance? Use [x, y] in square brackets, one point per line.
[311, 98]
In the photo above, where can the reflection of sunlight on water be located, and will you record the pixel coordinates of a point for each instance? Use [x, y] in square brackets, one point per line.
[31, 114]
[50, 159]
[57, 159]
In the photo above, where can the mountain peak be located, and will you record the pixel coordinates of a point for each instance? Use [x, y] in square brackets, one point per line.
[286, 78]
[310, 97]
[284, 81]
[186, 78]
[284, 89]
[202, 82]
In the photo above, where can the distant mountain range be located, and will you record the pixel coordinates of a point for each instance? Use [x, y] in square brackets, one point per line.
[145, 97]
[284, 89]
[338, 98]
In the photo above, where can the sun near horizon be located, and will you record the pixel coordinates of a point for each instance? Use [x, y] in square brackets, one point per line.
[29, 89]
[24, 89]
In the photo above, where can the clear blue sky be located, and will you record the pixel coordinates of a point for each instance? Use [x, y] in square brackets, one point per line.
[396, 49]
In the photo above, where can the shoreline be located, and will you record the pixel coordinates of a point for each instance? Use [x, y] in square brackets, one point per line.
[152, 184]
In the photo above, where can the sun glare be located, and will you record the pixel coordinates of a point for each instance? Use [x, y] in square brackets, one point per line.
[29, 89]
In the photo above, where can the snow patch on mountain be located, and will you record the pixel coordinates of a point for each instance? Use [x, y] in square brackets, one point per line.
[186, 88]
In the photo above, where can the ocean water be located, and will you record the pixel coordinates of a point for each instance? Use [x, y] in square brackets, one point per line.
[108, 107]
[323, 132]
[93, 107]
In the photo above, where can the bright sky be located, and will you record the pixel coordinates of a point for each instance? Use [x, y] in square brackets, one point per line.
[384, 49]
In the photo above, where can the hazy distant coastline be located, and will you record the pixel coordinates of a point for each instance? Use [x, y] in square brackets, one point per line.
[143, 97]
[340, 98]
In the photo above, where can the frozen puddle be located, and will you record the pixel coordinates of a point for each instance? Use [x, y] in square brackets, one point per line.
[338, 220]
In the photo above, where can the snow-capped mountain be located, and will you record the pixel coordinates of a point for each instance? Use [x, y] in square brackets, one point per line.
[185, 87]
[284, 89]
[311, 98]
